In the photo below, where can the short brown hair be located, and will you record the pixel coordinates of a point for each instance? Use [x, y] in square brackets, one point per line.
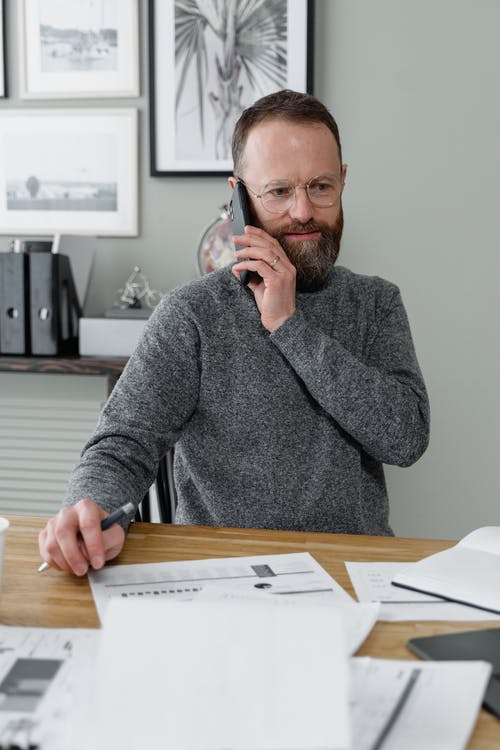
[287, 105]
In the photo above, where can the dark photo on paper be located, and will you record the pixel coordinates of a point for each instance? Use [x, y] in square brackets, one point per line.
[26, 683]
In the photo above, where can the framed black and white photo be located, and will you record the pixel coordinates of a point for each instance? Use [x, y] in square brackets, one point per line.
[3, 74]
[208, 62]
[78, 48]
[68, 171]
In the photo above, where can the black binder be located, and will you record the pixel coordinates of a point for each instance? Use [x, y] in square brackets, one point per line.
[14, 318]
[473, 645]
[54, 307]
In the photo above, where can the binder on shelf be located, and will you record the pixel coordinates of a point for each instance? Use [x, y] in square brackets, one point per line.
[54, 307]
[14, 318]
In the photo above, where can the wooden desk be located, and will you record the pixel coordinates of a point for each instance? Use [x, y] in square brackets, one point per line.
[55, 599]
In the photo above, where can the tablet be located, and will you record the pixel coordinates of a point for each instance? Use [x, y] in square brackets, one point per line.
[471, 645]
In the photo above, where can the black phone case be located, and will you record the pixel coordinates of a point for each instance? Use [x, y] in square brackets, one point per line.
[240, 216]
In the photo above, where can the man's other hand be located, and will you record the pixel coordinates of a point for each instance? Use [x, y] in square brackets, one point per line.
[73, 540]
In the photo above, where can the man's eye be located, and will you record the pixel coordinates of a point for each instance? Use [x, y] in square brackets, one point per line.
[321, 187]
[281, 191]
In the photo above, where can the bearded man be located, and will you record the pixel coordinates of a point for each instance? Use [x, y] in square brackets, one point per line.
[283, 397]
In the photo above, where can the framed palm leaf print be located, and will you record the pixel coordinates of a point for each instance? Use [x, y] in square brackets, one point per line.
[209, 60]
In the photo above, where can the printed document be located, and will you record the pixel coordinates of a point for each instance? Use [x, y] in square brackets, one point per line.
[409, 705]
[285, 576]
[40, 675]
[294, 579]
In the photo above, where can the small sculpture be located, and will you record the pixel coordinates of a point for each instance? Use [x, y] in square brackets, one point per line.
[136, 293]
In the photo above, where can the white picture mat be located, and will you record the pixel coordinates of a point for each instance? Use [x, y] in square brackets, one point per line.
[115, 126]
[37, 83]
[165, 83]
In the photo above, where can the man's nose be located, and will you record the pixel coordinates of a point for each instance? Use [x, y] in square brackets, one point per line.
[301, 208]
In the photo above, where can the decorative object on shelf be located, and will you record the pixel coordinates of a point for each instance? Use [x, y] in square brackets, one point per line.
[208, 61]
[216, 247]
[78, 49]
[68, 171]
[135, 295]
[3, 74]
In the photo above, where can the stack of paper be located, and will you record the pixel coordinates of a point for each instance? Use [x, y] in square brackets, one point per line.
[259, 676]
[244, 676]
[294, 579]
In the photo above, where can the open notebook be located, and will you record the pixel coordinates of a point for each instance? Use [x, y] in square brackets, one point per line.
[469, 572]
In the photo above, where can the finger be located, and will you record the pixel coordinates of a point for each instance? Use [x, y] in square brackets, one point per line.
[90, 517]
[83, 518]
[240, 239]
[260, 267]
[50, 550]
[114, 538]
[270, 251]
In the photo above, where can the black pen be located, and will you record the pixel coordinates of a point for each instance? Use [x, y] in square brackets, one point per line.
[117, 515]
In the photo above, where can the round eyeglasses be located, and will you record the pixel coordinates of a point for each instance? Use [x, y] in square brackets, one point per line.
[278, 196]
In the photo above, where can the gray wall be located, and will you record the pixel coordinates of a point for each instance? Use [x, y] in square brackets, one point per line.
[414, 85]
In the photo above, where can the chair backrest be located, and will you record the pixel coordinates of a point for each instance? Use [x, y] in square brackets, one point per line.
[164, 490]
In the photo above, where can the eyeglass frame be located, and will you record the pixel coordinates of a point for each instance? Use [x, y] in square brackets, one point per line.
[304, 185]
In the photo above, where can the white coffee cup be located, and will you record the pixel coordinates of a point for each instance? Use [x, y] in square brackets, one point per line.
[4, 525]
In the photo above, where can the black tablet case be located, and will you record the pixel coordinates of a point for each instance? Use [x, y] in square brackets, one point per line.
[469, 646]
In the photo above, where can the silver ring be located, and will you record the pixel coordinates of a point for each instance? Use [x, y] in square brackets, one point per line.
[274, 261]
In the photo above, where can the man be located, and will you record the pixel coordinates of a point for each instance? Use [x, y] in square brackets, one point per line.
[284, 397]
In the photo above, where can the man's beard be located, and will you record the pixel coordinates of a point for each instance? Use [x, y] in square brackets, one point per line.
[313, 259]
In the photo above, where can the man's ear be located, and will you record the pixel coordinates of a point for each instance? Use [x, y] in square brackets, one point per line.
[232, 182]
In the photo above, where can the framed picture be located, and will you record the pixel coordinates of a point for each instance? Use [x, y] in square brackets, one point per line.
[68, 171]
[208, 62]
[3, 75]
[78, 48]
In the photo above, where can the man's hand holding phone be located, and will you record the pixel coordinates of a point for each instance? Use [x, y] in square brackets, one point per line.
[263, 265]
[272, 276]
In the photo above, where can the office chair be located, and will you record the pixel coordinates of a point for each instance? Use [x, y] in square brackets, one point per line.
[165, 492]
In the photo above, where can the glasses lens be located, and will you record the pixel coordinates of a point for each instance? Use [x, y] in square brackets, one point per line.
[277, 196]
[323, 190]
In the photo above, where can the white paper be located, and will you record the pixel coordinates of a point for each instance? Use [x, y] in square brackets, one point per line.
[467, 572]
[408, 705]
[357, 619]
[372, 583]
[296, 575]
[212, 675]
[41, 670]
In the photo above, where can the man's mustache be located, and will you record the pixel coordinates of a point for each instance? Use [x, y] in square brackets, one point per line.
[297, 228]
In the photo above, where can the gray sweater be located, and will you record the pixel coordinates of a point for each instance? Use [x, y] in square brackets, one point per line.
[287, 430]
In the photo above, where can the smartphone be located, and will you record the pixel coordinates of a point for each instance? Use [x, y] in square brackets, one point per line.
[239, 211]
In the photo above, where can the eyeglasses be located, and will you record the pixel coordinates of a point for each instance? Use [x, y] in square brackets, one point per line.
[278, 196]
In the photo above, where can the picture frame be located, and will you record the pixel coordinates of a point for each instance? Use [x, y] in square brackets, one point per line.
[196, 97]
[68, 171]
[3, 72]
[76, 49]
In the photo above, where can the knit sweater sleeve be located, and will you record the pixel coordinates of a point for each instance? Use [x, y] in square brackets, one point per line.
[144, 415]
[378, 396]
